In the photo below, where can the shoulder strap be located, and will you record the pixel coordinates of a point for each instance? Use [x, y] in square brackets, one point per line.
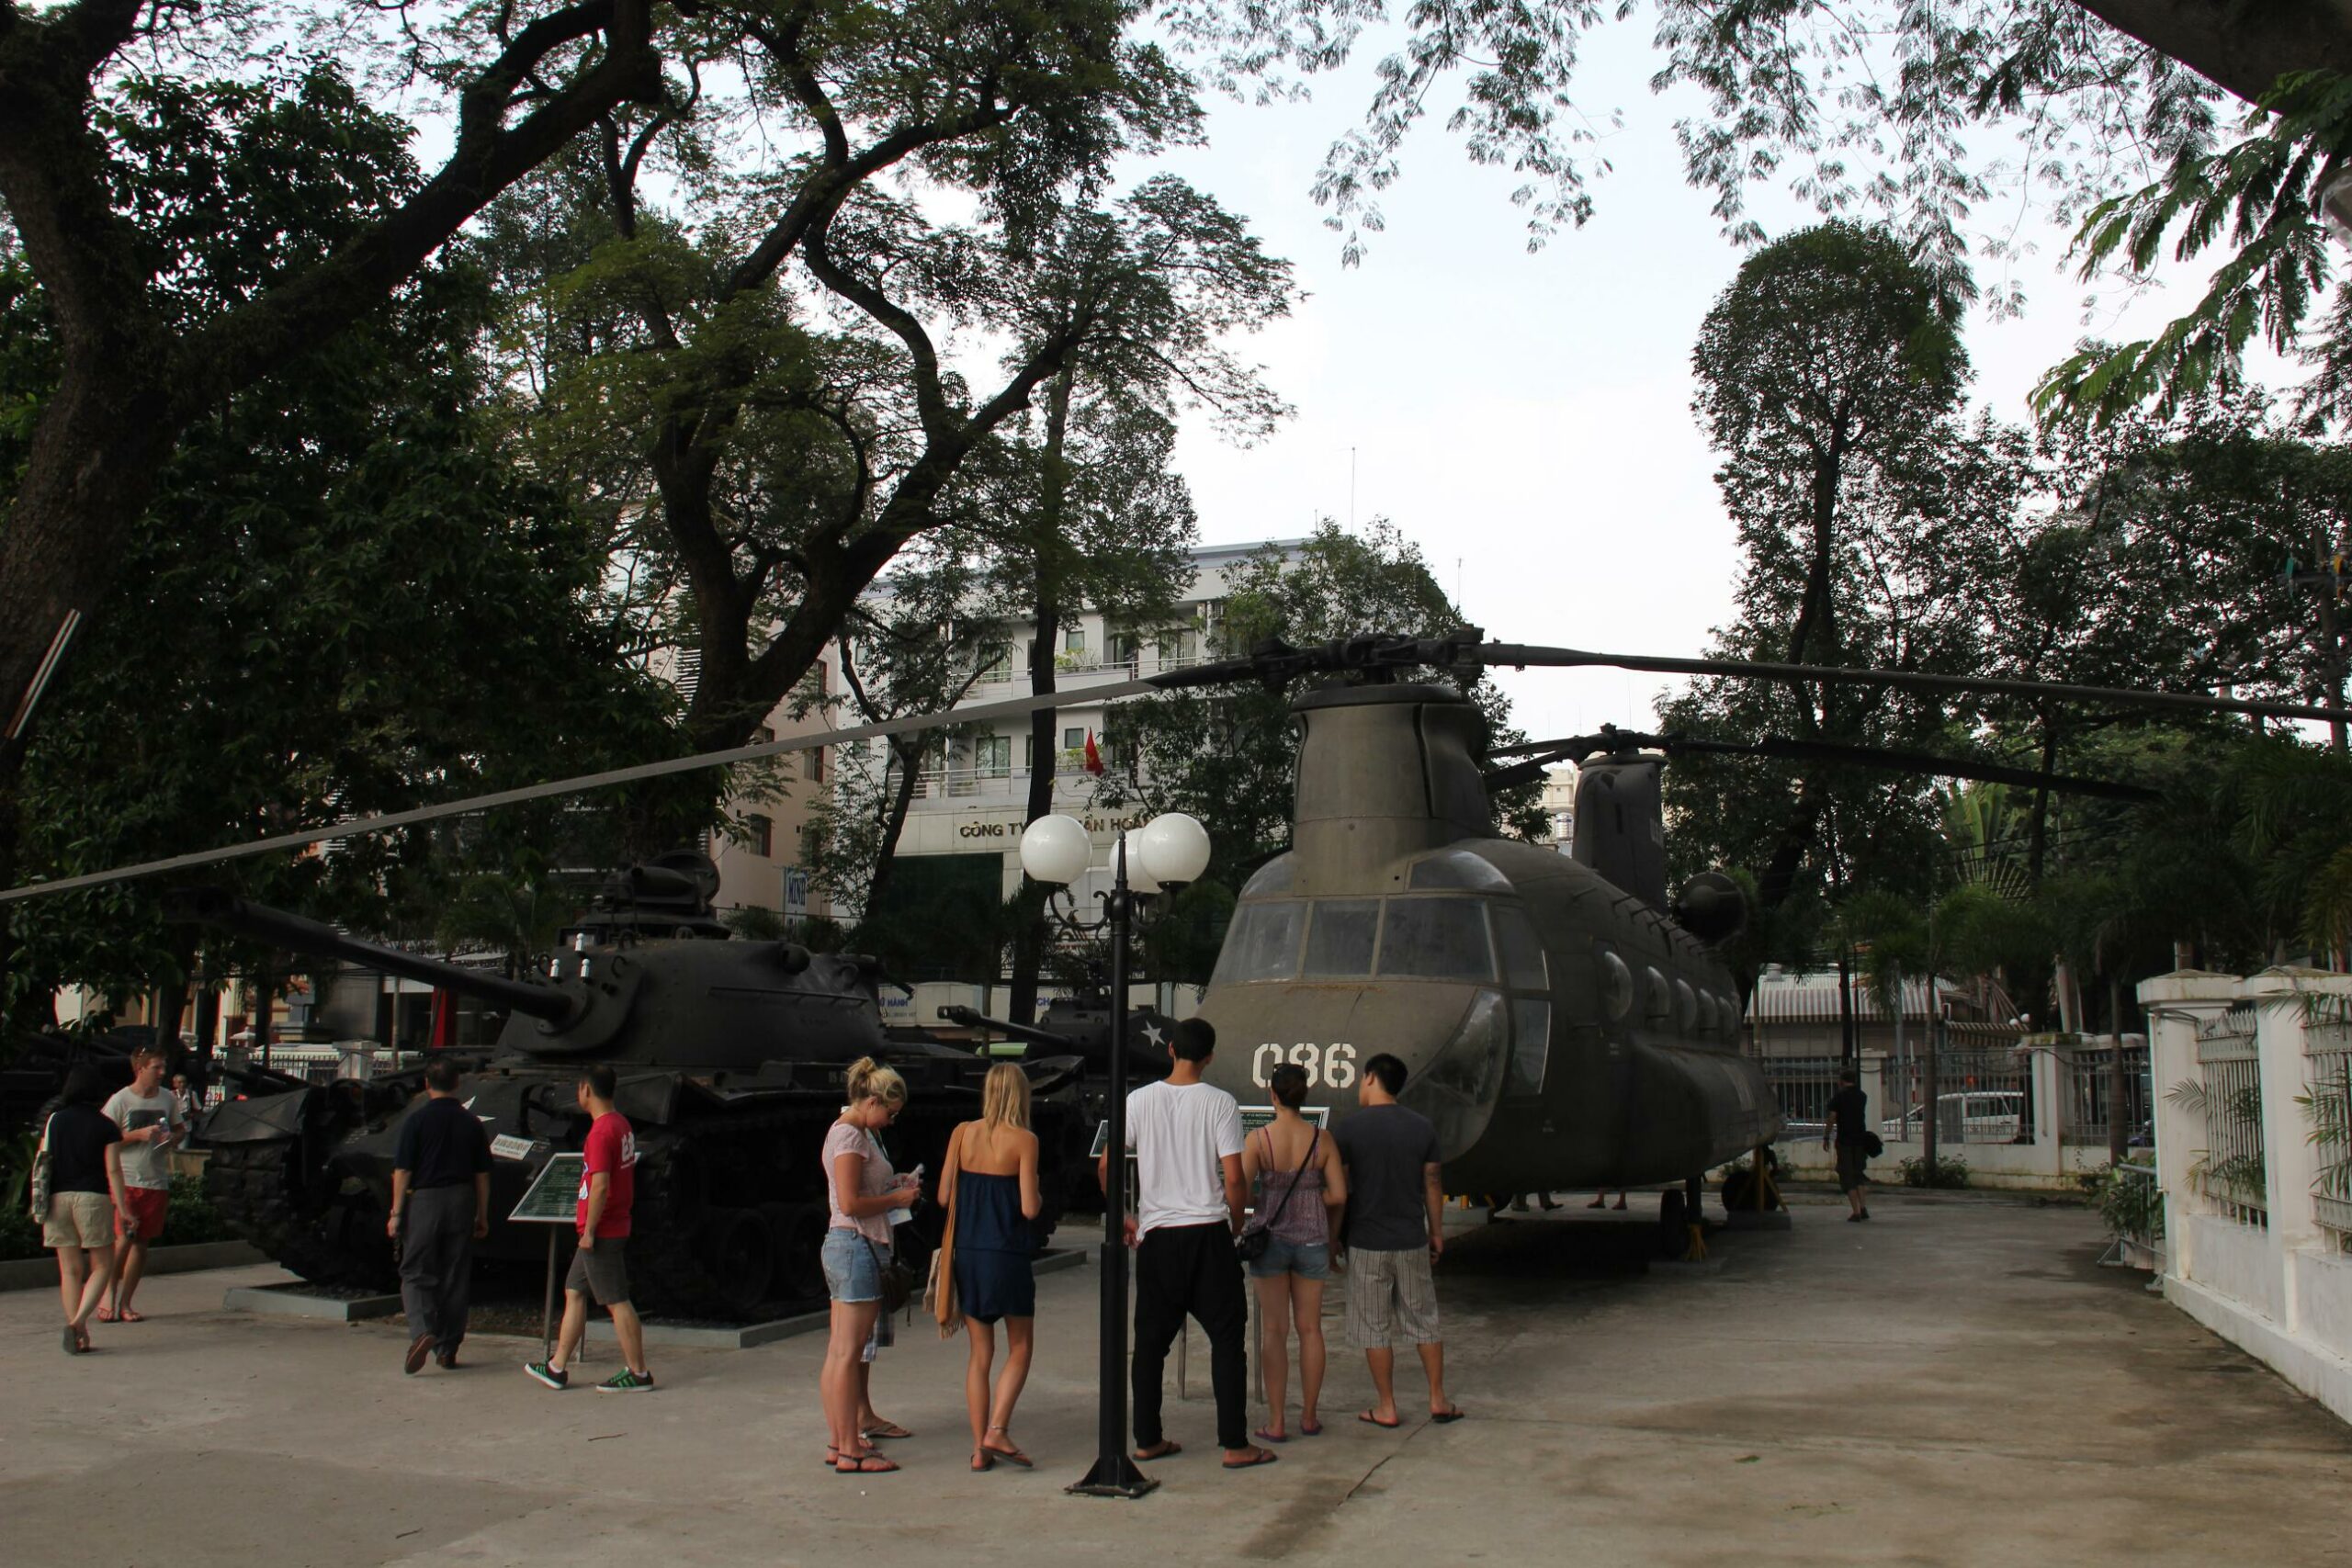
[1277, 1212]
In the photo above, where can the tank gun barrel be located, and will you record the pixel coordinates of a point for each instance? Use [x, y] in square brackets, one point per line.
[217, 907]
[972, 1018]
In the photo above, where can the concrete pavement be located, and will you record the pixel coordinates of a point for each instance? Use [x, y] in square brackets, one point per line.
[1951, 1384]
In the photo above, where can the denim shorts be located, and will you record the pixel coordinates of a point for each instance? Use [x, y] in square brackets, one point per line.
[1307, 1260]
[853, 1267]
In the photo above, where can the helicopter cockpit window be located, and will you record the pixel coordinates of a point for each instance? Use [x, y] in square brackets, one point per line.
[1437, 939]
[1339, 938]
[1521, 953]
[1454, 869]
[1656, 1000]
[1262, 944]
[1686, 1004]
[1270, 880]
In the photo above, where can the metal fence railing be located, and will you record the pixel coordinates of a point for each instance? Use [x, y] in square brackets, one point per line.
[1982, 1097]
[2327, 1049]
[1803, 1085]
[2228, 1091]
[2088, 1078]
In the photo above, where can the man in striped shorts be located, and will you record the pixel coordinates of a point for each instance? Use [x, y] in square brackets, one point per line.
[1392, 1234]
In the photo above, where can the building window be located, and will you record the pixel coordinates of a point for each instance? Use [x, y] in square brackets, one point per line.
[816, 765]
[1074, 739]
[998, 668]
[1121, 650]
[763, 832]
[1028, 753]
[1074, 638]
[767, 733]
[992, 756]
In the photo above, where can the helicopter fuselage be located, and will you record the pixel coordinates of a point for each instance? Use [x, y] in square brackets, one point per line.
[1558, 1030]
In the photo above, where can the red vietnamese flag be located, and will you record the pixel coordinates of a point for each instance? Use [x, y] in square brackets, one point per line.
[1093, 756]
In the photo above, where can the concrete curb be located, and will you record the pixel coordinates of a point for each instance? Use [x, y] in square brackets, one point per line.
[32, 1273]
[281, 1300]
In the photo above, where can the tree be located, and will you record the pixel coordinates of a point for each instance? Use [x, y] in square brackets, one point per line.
[1829, 374]
[275, 648]
[109, 226]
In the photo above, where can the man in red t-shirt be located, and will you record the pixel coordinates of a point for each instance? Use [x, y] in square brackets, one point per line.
[607, 1191]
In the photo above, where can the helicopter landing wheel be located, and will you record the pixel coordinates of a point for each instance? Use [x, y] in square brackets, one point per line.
[740, 1255]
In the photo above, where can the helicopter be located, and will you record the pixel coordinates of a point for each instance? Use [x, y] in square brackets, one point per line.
[1564, 1019]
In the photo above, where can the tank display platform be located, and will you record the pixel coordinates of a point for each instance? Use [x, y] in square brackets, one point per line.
[511, 1315]
[1949, 1384]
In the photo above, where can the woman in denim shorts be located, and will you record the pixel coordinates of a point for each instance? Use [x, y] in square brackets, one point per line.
[1299, 1182]
[862, 1191]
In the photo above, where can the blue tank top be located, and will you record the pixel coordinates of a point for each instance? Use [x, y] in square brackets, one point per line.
[988, 1215]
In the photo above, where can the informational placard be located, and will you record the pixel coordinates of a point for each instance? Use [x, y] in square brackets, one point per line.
[506, 1145]
[1256, 1116]
[553, 1196]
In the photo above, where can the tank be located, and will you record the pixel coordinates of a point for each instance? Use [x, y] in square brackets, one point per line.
[731, 1056]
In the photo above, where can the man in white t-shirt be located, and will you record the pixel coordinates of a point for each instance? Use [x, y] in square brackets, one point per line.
[152, 1119]
[1186, 1136]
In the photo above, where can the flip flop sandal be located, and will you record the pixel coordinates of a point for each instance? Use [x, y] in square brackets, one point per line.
[889, 1432]
[1010, 1456]
[982, 1460]
[1170, 1451]
[1265, 1436]
[104, 1315]
[1260, 1457]
[126, 1316]
[1310, 1429]
[73, 1340]
[1369, 1419]
[1442, 1417]
[867, 1464]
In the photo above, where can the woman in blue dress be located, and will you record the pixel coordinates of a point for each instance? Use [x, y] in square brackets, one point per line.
[993, 1172]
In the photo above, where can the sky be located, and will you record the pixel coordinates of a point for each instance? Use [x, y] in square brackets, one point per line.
[1525, 418]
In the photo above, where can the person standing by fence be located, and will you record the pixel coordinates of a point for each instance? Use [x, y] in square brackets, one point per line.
[440, 1208]
[1848, 1127]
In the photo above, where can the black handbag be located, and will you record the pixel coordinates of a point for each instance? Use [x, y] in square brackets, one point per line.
[1252, 1243]
[898, 1280]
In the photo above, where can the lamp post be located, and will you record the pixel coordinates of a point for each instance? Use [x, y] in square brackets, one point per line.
[1169, 851]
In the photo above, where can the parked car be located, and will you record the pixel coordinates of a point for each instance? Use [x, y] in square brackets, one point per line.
[1966, 1116]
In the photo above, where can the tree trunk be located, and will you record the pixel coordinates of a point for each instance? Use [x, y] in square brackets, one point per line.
[1029, 914]
[2038, 834]
[907, 751]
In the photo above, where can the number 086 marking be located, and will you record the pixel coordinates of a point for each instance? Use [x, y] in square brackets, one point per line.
[1327, 1066]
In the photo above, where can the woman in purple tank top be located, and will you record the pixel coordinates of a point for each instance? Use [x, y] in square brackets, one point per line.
[1301, 1185]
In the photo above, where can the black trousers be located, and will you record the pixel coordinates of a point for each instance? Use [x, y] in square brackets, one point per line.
[437, 1262]
[1191, 1268]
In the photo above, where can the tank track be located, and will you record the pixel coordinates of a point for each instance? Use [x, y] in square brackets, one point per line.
[257, 1187]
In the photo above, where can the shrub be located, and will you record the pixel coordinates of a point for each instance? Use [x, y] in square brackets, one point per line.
[19, 1236]
[1945, 1172]
[191, 1217]
[2129, 1202]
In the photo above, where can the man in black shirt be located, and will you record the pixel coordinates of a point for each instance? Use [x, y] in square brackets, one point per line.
[1849, 1127]
[440, 1208]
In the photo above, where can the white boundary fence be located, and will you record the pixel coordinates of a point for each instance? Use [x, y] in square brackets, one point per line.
[2254, 1152]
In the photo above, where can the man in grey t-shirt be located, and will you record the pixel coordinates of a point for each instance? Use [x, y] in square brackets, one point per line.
[1393, 1233]
[152, 1120]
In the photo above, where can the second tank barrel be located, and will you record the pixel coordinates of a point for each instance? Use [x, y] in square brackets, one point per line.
[216, 906]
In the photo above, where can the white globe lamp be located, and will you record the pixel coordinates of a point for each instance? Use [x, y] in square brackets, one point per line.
[1173, 848]
[1056, 851]
[1139, 877]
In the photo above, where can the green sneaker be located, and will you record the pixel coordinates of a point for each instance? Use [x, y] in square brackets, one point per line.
[626, 1381]
[548, 1375]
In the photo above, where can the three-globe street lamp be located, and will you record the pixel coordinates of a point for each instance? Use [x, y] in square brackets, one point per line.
[1169, 851]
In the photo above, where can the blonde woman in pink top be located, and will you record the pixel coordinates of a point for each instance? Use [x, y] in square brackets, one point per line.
[861, 1189]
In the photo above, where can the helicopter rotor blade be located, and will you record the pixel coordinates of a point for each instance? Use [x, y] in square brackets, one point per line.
[1576, 749]
[359, 826]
